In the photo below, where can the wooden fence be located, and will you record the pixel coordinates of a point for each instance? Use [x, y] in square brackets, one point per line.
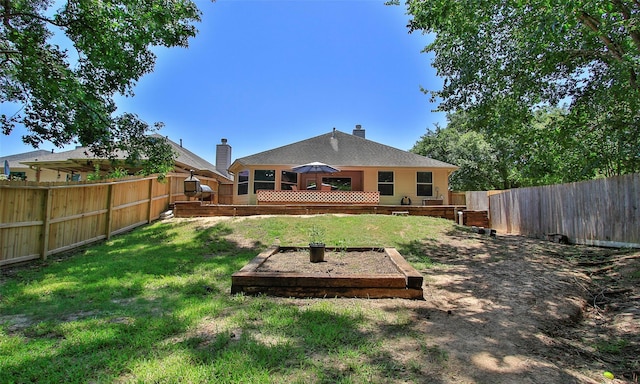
[457, 198]
[41, 219]
[603, 212]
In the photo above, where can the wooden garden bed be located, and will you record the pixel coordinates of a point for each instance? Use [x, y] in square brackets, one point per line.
[346, 272]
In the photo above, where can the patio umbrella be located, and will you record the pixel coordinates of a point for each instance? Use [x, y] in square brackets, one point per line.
[7, 171]
[315, 167]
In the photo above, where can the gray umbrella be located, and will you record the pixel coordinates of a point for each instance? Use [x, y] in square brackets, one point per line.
[7, 170]
[315, 167]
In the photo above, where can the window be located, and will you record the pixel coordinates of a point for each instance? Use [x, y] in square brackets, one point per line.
[288, 180]
[425, 184]
[385, 183]
[264, 179]
[243, 182]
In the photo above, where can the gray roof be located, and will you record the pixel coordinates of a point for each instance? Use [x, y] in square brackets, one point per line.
[15, 160]
[341, 149]
[190, 159]
[79, 159]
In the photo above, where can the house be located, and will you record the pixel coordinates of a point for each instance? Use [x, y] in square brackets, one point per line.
[19, 171]
[399, 176]
[76, 164]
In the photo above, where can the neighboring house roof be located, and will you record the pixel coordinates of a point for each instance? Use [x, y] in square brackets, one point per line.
[82, 159]
[340, 149]
[15, 161]
[188, 160]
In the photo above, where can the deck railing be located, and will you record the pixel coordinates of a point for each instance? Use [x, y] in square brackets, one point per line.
[318, 197]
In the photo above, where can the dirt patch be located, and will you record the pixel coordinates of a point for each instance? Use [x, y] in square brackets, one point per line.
[335, 262]
[518, 310]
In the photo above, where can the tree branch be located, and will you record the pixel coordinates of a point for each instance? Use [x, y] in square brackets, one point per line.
[614, 48]
[37, 17]
[584, 53]
[6, 4]
[626, 14]
[594, 25]
[8, 15]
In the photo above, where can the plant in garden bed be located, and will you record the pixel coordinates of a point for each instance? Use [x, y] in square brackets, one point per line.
[316, 244]
[316, 236]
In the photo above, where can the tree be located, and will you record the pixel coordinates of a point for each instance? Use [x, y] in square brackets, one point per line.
[66, 96]
[532, 153]
[507, 59]
[469, 150]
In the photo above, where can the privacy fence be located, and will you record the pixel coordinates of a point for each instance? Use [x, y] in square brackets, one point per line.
[41, 219]
[38, 220]
[603, 212]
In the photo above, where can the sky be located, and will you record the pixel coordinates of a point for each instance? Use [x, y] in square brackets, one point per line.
[268, 73]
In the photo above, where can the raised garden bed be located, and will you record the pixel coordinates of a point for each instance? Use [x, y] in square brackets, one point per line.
[346, 272]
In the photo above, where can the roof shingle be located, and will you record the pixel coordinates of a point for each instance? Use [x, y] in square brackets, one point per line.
[341, 149]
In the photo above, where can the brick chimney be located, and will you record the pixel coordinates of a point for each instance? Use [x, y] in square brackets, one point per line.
[223, 157]
[359, 131]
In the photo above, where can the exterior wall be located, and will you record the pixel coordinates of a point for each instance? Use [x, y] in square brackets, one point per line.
[404, 183]
[370, 179]
[441, 182]
[46, 175]
[242, 199]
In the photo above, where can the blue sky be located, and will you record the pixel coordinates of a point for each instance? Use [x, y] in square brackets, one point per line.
[267, 73]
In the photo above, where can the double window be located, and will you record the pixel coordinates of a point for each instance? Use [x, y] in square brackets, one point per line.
[385, 183]
[424, 186]
[264, 179]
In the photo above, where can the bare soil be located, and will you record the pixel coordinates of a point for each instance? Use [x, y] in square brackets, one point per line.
[519, 310]
[335, 262]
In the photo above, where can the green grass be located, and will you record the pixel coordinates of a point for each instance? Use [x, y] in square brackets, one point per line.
[614, 346]
[154, 305]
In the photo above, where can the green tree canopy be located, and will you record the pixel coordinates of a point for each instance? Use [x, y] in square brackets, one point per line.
[65, 95]
[537, 153]
[503, 60]
[475, 156]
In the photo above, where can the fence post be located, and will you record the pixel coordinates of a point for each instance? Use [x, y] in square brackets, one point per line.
[150, 200]
[171, 189]
[44, 248]
[109, 209]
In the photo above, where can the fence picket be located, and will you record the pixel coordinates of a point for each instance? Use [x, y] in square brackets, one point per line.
[604, 212]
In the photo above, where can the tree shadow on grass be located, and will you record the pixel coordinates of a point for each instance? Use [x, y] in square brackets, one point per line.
[145, 260]
[92, 312]
[297, 340]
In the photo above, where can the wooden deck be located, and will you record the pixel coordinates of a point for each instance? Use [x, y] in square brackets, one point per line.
[196, 209]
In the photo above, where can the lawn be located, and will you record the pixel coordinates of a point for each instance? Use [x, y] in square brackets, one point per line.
[153, 305]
